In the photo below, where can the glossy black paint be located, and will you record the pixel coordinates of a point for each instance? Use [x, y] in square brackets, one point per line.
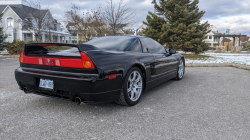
[94, 85]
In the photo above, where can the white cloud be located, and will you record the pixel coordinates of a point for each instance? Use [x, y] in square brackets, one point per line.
[237, 24]
[223, 14]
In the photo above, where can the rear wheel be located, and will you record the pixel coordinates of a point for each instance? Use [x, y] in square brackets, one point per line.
[132, 88]
[180, 72]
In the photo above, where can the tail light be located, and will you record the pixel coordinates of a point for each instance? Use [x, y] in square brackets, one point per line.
[84, 63]
[22, 57]
[87, 62]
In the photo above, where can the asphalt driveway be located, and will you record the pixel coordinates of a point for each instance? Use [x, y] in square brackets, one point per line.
[209, 103]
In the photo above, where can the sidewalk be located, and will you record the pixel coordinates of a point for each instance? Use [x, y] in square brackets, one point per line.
[9, 56]
[240, 66]
[4, 54]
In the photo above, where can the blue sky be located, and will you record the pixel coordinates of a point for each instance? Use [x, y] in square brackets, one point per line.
[223, 14]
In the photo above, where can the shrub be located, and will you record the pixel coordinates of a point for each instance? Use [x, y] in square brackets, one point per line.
[16, 46]
[212, 48]
[81, 41]
[220, 49]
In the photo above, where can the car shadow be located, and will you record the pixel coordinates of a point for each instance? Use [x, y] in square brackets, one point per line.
[104, 108]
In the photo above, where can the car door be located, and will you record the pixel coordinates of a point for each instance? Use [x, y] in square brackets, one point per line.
[164, 65]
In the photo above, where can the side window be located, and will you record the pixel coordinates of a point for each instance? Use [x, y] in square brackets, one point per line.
[135, 46]
[153, 46]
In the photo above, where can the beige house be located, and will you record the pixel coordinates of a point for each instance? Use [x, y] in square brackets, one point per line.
[212, 40]
[19, 22]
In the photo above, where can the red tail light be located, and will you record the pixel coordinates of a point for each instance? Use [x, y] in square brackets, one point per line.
[22, 57]
[84, 63]
[112, 77]
[87, 62]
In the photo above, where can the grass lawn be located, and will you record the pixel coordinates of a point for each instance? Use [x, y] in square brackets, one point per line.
[195, 56]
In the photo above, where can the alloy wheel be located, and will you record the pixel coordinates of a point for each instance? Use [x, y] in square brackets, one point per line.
[134, 88]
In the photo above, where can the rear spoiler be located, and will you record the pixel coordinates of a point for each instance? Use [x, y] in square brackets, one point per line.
[37, 46]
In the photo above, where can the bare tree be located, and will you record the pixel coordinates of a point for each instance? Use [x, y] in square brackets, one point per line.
[116, 15]
[98, 22]
[88, 24]
[40, 23]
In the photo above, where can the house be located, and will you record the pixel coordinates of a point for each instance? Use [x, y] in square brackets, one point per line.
[123, 29]
[127, 29]
[21, 22]
[245, 41]
[211, 39]
[139, 31]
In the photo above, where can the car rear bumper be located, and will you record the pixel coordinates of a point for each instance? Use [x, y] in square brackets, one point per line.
[90, 90]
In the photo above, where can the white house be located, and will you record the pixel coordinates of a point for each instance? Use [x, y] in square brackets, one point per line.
[140, 29]
[211, 40]
[19, 21]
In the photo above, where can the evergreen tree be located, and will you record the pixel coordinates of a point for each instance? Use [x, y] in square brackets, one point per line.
[2, 36]
[177, 25]
[248, 47]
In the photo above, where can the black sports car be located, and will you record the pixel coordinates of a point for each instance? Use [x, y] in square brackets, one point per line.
[106, 69]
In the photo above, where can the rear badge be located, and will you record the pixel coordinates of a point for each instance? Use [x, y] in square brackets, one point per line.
[48, 62]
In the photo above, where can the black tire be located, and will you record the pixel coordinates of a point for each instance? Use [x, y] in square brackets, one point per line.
[178, 75]
[124, 98]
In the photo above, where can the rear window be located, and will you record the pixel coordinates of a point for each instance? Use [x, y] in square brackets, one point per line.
[116, 44]
[52, 50]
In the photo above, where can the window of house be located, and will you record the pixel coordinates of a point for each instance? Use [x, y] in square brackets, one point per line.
[28, 37]
[10, 22]
[9, 38]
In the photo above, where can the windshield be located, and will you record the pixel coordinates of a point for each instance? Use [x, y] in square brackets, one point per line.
[113, 43]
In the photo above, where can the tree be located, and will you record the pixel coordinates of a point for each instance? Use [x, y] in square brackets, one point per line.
[248, 47]
[116, 15]
[2, 36]
[177, 25]
[88, 24]
[38, 22]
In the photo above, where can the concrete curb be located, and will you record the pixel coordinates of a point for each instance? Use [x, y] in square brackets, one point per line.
[245, 67]
[9, 56]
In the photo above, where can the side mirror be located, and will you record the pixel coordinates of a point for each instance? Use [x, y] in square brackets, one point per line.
[172, 51]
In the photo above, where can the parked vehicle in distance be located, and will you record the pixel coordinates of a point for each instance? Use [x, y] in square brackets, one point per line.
[106, 69]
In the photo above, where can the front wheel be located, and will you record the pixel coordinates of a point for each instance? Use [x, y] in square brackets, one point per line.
[180, 71]
[132, 88]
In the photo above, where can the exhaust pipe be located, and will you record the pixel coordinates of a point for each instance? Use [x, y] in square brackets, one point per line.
[25, 89]
[78, 101]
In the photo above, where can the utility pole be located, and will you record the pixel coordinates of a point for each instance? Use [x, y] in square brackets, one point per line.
[154, 2]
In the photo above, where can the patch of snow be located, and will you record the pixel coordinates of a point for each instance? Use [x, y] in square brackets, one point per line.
[223, 58]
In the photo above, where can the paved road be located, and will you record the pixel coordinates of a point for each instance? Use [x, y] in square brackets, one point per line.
[209, 103]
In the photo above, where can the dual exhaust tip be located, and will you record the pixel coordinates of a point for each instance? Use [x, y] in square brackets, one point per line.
[26, 90]
[78, 100]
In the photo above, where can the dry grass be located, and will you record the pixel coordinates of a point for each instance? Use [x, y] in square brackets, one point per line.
[195, 56]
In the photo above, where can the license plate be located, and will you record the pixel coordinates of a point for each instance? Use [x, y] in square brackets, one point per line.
[47, 84]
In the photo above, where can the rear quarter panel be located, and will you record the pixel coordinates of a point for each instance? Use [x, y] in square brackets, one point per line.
[115, 62]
